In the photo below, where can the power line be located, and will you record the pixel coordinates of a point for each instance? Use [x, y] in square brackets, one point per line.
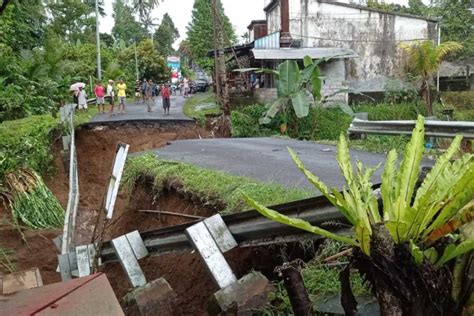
[358, 41]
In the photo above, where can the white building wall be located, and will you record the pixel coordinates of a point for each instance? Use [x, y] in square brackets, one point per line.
[273, 20]
[374, 36]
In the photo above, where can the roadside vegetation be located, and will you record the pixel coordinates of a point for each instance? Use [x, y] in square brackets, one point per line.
[406, 247]
[26, 154]
[214, 189]
[199, 105]
[321, 278]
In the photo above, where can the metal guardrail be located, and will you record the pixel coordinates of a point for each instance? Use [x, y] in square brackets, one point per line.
[67, 118]
[447, 129]
[248, 228]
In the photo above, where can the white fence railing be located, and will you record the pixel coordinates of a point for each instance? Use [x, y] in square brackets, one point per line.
[67, 118]
[447, 129]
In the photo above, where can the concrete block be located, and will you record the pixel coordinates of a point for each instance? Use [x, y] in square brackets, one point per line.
[22, 280]
[241, 297]
[154, 298]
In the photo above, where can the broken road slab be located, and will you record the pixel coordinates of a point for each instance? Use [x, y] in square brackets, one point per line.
[266, 159]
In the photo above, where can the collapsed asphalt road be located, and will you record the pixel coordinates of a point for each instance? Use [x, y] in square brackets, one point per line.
[267, 159]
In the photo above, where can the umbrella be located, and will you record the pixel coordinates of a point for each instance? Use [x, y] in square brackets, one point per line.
[76, 86]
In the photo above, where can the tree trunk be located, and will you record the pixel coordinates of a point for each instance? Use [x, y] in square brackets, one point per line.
[425, 87]
[294, 284]
[401, 286]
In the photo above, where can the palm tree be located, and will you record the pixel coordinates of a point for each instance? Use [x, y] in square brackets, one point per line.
[144, 6]
[424, 59]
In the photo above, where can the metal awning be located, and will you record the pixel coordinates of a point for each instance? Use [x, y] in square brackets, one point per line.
[300, 53]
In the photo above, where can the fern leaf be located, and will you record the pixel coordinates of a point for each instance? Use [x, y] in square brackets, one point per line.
[459, 195]
[344, 158]
[409, 170]
[336, 200]
[466, 215]
[387, 189]
[448, 188]
[453, 251]
[431, 183]
[296, 222]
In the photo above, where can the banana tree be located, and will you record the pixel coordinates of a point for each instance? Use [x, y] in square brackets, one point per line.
[297, 89]
[405, 248]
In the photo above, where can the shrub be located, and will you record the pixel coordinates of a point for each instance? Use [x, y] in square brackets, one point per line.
[26, 143]
[458, 99]
[321, 123]
[384, 111]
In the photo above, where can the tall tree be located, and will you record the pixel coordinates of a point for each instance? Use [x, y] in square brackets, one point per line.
[165, 36]
[456, 24]
[126, 28]
[73, 20]
[150, 64]
[23, 25]
[424, 59]
[200, 30]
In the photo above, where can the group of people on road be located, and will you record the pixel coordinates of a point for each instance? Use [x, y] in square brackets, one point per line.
[146, 91]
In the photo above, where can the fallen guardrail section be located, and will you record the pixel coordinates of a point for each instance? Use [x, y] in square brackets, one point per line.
[67, 119]
[448, 129]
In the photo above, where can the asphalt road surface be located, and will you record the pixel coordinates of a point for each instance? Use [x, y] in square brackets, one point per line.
[138, 112]
[267, 159]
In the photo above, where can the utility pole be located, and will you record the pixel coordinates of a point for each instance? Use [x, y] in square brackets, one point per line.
[97, 34]
[221, 75]
[136, 58]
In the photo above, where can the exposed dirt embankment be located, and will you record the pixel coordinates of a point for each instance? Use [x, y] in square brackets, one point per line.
[95, 151]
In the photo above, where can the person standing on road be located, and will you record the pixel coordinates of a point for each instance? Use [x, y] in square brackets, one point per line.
[165, 95]
[82, 99]
[122, 95]
[143, 89]
[149, 95]
[110, 96]
[99, 92]
[186, 86]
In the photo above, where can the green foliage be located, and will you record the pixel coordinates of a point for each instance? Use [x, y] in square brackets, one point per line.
[320, 281]
[212, 188]
[22, 25]
[381, 143]
[387, 112]
[320, 123]
[26, 143]
[456, 24]
[32, 202]
[126, 28]
[165, 36]
[200, 31]
[150, 64]
[410, 216]
[200, 105]
[7, 264]
[73, 20]
[461, 102]
[425, 57]
[296, 88]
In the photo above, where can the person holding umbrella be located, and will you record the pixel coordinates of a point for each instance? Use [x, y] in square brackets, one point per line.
[82, 99]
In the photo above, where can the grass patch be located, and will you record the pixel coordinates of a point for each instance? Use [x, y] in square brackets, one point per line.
[26, 143]
[321, 281]
[7, 264]
[200, 104]
[214, 189]
[32, 202]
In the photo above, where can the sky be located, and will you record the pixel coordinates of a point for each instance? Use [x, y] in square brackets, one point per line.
[240, 13]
